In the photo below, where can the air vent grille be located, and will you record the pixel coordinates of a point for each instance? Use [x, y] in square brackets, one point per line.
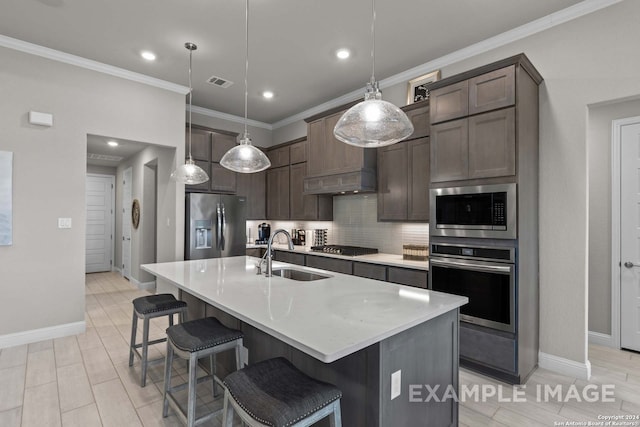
[94, 156]
[219, 81]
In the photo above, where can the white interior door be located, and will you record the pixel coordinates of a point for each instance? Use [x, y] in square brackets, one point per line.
[99, 228]
[126, 222]
[630, 236]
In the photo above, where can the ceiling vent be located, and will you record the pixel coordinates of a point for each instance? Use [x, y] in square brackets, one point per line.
[219, 81]
[94, 156]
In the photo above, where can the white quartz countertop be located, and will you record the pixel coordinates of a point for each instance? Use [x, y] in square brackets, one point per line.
[379, 258]
[327, 319]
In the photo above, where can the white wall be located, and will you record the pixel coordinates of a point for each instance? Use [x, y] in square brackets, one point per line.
[42, 273]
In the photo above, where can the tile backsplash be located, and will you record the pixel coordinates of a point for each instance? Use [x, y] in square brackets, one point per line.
[355, 222]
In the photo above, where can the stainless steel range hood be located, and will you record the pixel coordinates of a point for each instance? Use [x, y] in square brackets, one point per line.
[359, 181]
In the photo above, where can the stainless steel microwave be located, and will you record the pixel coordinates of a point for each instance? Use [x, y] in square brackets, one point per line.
[481, 211]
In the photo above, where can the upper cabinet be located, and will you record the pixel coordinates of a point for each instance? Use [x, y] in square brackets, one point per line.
[479, 118]
[286, 198]
[254, 187]
[207, 148]
[334, 167]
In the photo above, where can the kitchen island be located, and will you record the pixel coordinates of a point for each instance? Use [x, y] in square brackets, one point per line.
[350, 331]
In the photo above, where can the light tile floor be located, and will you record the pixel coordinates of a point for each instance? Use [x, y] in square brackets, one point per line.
[85, 380]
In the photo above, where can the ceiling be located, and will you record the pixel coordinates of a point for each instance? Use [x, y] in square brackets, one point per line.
[99, 153]
[292, 42]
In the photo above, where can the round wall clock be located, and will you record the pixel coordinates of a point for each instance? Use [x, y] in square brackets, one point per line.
[135, 213]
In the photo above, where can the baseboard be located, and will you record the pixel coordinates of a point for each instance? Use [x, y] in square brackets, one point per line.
[144, 286]
[564, 366]
[35, 335]
[601, 339]
[117, 270]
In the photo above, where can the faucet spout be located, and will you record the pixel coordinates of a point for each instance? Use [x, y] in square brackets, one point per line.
[269, 253]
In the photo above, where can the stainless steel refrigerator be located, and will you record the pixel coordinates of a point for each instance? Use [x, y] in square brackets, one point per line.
[215, 226]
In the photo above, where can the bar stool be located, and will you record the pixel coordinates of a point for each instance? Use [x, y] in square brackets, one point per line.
[274, 393]
[147, 308]
[194, 340]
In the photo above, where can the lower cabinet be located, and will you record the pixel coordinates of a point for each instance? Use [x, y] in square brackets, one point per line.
[370, 271]
[255, 252]
[331, 264]
[409, 277]
[289, 257]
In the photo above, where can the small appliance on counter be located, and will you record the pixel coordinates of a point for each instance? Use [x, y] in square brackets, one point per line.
[344, 250]
[264, 232]
[298, 237]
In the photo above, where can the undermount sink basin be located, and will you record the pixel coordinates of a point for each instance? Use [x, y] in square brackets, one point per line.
[300, 275]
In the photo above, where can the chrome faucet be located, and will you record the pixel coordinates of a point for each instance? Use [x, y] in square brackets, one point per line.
[269, 254]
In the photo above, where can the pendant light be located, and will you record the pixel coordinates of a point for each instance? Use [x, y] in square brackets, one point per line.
[245, 158]
[190, 173]
[373, 122]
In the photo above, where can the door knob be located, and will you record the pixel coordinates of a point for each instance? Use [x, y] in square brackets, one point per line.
[629, 264]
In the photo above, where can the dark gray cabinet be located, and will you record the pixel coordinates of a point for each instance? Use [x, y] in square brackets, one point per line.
[254, 187]
[492, 144]
[279, 157]
[403, 181]
[331, 264]
[370, 271]
[450, 102]
[450, 151]
[207, 148]
[289, 257]
[493, 90]
[278, 193]
[418, 113]
[409, 277]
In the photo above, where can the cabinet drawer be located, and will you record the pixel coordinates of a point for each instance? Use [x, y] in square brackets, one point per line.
[449, 102]
[370, 271]
[331, 264]
[493, 90]
[405, 276]
[298, 152]
[289, 257]
[487, 348]
[279, 157]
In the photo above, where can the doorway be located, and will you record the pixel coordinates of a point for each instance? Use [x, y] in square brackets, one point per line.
[626, 233]
[100, 202]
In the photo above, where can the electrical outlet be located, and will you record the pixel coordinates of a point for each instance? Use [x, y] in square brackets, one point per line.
[64, 222]
[396, 384]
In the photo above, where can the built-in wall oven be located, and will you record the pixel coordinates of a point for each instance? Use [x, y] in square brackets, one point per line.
[482, 211]
[484, 274]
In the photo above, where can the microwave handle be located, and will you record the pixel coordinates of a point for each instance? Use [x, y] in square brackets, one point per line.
[471, 266]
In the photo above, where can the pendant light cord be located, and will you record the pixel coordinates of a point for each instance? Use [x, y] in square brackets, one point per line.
[246, 65]
[373, 41]
[190, 100]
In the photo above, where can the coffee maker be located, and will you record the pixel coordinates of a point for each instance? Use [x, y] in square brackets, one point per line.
[264, 232]
[298, 237]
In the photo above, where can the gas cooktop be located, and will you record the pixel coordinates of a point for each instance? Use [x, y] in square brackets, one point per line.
[344, 250]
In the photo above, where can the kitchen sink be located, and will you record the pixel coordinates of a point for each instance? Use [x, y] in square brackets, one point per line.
[300, 275]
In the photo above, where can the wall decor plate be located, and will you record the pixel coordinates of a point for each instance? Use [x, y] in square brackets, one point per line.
[417, 90]
[135, 213]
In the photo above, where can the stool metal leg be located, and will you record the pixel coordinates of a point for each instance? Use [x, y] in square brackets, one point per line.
[145, 351]
[168, 364]
[132, 343]
[335, 420]
[191, 410]
[227, 411]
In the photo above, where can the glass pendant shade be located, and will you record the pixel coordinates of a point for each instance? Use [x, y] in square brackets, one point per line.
[245, 158]
[373, 122]
[189, 173]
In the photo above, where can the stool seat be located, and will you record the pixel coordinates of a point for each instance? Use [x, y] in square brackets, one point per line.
[201, 334]
[157, 303]
[277, 394]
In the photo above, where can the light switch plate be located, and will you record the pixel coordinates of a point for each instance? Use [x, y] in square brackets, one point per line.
[64, 222]
[396, 384]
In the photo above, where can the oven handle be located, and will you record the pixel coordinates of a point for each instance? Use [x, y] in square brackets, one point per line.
[472, 266]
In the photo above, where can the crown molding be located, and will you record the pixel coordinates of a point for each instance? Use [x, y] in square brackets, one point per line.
[572, 12]
[89, 64]
[229, 117]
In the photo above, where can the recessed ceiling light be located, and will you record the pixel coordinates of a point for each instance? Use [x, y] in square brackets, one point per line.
[267, 94]
[112, 144]
[343, 53]
[149, 56]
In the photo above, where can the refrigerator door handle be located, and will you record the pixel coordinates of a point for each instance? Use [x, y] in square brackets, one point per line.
[218, 226]
[223, 229]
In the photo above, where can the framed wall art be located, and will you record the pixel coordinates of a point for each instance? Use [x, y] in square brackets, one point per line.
[6, 207]
[417, 90]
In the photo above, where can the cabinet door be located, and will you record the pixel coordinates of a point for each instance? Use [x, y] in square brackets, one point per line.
[493, 90]
[492, 144]
[205, 185]
[339, 157]
[298, 152]
[419, 176]
[420, 119]
[449, 102]
[300, 206]
[315, 137]
[279, 157]
[450, 151]
[278, 193]
[392, 182]
[253, 187]
[222, 180]
[200, 144]
[221, 143]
